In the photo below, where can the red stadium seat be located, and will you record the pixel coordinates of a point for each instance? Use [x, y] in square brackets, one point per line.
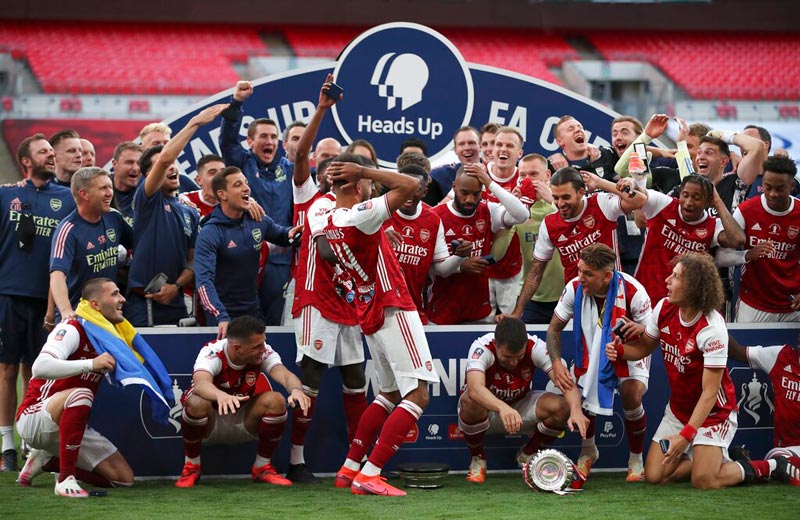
[131, 58]
[714, 65]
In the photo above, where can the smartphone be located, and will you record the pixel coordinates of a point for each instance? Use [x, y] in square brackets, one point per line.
[156, 284]
[664, 443]
[641, 150]
[334, 91]
[490, 259]
[618, 329]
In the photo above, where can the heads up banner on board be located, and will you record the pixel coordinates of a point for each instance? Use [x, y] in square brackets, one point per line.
[402, 80]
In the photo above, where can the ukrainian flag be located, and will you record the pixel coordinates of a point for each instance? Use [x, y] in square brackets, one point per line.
[137, 364]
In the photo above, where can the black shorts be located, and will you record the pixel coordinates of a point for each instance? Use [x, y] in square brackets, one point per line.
[21, 332]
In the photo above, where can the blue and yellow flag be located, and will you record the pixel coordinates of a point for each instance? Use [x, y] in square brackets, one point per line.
[136, 363]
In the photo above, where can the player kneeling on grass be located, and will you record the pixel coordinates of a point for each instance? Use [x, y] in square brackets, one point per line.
[700, 419]
[54, 415]
[221, 406]
[498, 398]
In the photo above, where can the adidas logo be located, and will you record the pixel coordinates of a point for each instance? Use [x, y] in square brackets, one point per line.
[90, 245]
[672, 222]
[450, 233]
[788, 368]
[665, 330]
[231, 244]
[224, 384]
[708, 434]
[562, 238]
[756, 227]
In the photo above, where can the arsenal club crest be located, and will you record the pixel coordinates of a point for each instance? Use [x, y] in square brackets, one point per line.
[701, 232]
[589, 222]
[792, 231]
[690, 346]
[424, 235]
[481, 225]
[250, 378]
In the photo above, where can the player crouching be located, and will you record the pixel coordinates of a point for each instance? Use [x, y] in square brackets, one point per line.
[498, 398]
[221, 406]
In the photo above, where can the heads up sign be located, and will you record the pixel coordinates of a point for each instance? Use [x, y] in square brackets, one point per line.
[402, 80]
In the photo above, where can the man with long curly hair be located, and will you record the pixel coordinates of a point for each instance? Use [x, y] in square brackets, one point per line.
[700, 419]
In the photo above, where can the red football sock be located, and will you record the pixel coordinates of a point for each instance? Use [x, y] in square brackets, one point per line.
[301, 423]
[368, 426]
[761, 468]
[355, 403]
[194, 429]
[636, 424]
[71, 428]
[394, 430]
[270, 431]
[542, 436]
[474, 435]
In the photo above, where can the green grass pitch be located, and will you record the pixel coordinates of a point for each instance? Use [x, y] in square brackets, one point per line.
[607, 495]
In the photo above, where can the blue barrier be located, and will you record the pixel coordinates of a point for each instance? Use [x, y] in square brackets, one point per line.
[153, 449]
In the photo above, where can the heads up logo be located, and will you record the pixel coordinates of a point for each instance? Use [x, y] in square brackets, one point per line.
[402, 80]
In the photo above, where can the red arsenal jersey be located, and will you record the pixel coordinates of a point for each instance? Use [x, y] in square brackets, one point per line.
[317, 283]
[67, 341]
[233, 379]
[782, 364]
[423, 244]
[688, 349]
[596, 223]
[669, 235]
[768, 282]
[508, 385]
[357, 238]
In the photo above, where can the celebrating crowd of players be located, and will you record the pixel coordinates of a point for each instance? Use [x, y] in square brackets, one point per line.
[357, 249]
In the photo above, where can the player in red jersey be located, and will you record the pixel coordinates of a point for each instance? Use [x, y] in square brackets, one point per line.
[682, 225]
[469, 218]
[497, 398]
[581, 220]
[204, 199]
[54, 415]
[597, 298]
[324, 318]
[387, 314]
[770, 287]
[419, 245]
[700, 419]
[782, 364]
[505, 275]
[222, 407]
